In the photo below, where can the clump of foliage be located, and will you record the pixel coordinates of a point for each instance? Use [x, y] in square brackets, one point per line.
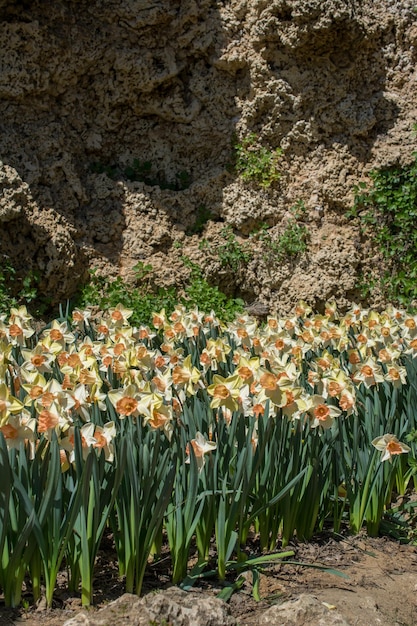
[15, 290]
[202, 216]
[389, 206]
[143, 171]
[291, 242]
[232, 254]
[256, 163]
[209, 297]
[144, 298]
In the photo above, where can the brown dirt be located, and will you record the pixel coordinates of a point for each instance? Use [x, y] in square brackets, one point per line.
[380, 588]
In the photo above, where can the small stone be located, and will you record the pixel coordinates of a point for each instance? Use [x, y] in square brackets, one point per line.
[305, 611]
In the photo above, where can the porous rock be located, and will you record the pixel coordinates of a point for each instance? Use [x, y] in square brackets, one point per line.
[305, 611]
[14, 193]
[173, 607]
[119, 117]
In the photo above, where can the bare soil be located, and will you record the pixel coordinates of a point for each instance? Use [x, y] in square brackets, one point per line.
[381, 588]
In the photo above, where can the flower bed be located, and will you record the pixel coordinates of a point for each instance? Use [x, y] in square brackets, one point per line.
[192, 430]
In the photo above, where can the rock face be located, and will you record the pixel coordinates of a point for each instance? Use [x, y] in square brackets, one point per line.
[118, 119]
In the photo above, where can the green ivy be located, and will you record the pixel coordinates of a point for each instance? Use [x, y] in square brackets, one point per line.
[389, 207]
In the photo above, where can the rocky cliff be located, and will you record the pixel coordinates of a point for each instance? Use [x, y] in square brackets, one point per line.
[118, 120]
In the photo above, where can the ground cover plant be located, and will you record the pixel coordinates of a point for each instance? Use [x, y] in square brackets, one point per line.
[255, 163]
[198, 433]
[143, 297]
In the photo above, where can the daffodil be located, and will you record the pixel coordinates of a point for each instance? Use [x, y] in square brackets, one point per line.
[369, 372]
[104, 436]
[102, 329]
[315, 380]
[397, 314]
[159, 320]
[274, 383]
[5, 355]
[217, 349]
[390, 353]
[89, 376]
[325, 363]
[396, 375]
[186, 376]
[320, 413]
[178, 330]
[347, 402]
[356, 314]
[18, 428]
[302, 309]
[225, 392]
[20, 315]
[193, 321]
[291, 325]
[271, 389]
[98, 397]
[335, 383]
[290, 398]
[243, 331]
[37, 360]
[119, 315]
[160, 417]
[81, 402]
[121, 336]
[52, 420]
[81, 318]
[272, 327]
[409, 327]
[50, 394]
[200, 446]
[387, 332]
[330, 309]
[389, 446]
[206, 362]
[281, 345]
[9, 405]
[247, 368]
[34, 385]
[162, 383]
[87, 440]
[338, 337]
[125, 401]
[59, 333]
[143, 333]
[18, 332]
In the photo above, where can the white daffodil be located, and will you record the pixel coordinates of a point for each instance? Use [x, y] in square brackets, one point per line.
[201, 446]
[389, 446]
